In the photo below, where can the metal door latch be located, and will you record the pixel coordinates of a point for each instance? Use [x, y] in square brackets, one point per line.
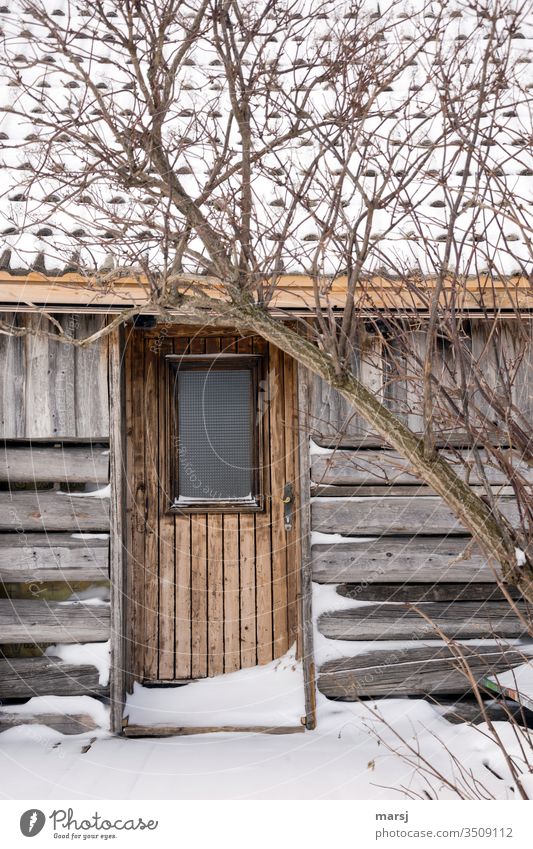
[288, 500]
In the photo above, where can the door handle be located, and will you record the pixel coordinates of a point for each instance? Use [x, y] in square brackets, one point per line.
[288, 501]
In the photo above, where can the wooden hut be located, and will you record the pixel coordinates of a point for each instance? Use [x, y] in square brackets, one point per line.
[230, 502]
[203, 437]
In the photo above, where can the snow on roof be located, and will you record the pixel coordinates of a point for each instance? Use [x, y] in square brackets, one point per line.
[63, 203]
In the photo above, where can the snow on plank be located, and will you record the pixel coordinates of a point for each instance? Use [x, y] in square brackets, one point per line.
[516, 684]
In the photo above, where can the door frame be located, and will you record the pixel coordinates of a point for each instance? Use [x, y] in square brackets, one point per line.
[121, 636]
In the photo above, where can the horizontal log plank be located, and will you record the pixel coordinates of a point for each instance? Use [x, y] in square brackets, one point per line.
[47, 676]
[468, 710]
[46, 441]
[372, 516]
[23, 621]
[50, 511]
[412, 671]
[338, 491]
[359, 490]
[399, 559]
[64, 723]
[456, 620]
[64, 463]
[346, 468]
[52, 557]
[335, 439]
[425, 592]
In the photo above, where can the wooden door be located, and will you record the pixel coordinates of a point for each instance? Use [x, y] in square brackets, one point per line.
[208, 592]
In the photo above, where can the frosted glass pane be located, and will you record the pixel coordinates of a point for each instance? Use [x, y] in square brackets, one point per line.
[215, 439]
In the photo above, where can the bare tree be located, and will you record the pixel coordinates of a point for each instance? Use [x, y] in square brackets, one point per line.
[203, 148]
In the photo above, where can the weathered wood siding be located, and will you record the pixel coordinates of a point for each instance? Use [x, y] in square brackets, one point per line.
[57, 461]
[419, 577]
[408, 567]
[43, 676]
[37, 621]
[50, 389]
[397, 560]
[54, 425]
[387, 468]
[413, 670]
[385, 370]
[26, 558]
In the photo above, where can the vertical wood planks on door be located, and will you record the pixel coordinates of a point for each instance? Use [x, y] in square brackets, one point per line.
[199, 537]
[277, 466]
[263, 524]
[137, 491]
[151, 539]
[232, 589]
[168, 592]
[248, 636]
[182, 561]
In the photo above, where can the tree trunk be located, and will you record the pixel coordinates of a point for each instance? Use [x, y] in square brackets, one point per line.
[491, 531]
[488, 527]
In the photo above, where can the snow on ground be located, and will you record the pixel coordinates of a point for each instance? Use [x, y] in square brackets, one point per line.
[68, 705]
[272, 694]
[92, 654]
[386, 749]
[517, 683]
[342, 759]
[520, 678]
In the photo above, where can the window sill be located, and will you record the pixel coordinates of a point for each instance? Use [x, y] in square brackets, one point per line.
[217, 507]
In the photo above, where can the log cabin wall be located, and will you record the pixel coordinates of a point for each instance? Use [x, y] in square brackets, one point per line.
[54, 424]
[399, 545]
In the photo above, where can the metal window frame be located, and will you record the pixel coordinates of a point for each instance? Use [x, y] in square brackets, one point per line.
[217, 362]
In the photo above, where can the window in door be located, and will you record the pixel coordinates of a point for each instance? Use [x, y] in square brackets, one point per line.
[216, 433]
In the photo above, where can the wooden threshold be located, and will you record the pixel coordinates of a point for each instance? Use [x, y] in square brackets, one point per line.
[171, 731]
